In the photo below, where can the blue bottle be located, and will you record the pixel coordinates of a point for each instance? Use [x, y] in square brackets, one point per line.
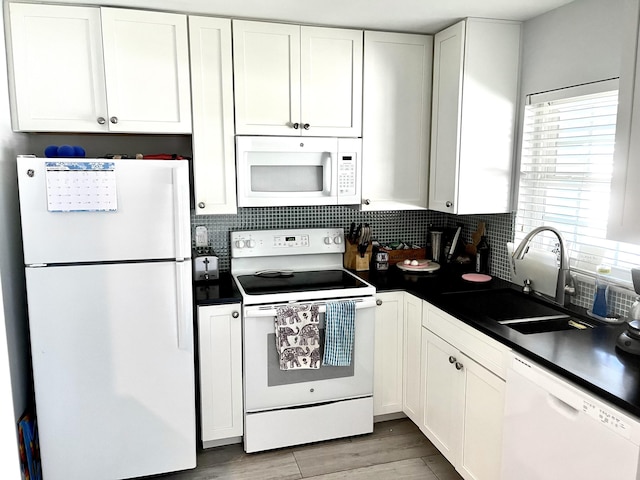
[600, 297]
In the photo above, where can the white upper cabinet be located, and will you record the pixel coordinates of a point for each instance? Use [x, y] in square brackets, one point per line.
[146, 58]
[89, 69]
[292, 80]
[624, 215]
[396, 120]
[475, 89]
[214, 174]
[57, 49]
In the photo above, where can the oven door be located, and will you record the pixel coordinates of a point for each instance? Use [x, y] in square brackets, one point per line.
[281, 171]
[267, 387]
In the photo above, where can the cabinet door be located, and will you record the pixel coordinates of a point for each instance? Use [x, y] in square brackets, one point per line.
[220, 342]
[146, 59]
[396, 120]
[483, 415]
[266, 65]
[443, 395]
[412, 398]
[58, 77]
[331, 81]
[624, 216]
[214, 173]
[387, 366]
[488, 116]
[448, 56]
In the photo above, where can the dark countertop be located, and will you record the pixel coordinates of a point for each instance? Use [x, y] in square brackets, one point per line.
[216, 292]
[587, 357]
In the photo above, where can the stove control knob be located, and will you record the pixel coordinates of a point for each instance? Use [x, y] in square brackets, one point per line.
[240, 243]
[337, 239]
[251, 243]
[328, 240]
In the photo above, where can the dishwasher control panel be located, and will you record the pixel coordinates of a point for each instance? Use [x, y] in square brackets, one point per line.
[606, 417]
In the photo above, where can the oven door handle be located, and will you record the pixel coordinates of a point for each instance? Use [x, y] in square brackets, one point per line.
[270, 310]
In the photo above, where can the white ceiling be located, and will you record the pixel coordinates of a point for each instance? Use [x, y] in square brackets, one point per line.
[424, 16]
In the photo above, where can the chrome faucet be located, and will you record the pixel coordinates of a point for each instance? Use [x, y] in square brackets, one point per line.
[565, 285]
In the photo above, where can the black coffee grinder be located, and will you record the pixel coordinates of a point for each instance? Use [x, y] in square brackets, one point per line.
[629, 340]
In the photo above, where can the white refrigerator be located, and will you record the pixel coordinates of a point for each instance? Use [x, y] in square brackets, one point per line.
[108, 273]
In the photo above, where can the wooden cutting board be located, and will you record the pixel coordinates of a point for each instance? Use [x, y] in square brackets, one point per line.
[475, 238]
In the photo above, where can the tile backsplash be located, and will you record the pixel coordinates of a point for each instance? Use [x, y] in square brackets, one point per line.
[410, 226]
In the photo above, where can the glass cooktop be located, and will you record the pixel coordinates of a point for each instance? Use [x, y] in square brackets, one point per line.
[286, 282]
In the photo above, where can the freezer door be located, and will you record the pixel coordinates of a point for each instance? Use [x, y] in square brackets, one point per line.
[113, 364]
[151, 221]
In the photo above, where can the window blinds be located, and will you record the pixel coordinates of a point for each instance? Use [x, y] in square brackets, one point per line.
[565, 177]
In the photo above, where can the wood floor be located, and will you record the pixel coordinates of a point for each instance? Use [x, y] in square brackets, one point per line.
[395, 450]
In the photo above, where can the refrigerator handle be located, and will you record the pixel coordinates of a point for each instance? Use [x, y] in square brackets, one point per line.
[182, 317]
[178, 214]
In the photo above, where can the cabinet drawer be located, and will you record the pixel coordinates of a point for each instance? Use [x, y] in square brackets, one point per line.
[478, 346]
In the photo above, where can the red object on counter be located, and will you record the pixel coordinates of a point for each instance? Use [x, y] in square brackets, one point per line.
[164, 156]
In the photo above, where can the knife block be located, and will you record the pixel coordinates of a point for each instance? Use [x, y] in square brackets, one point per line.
[353, 260]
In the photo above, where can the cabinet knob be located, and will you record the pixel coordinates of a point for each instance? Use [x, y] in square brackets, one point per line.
[458, 366]
[449, 204]
[378, 302]
[235, 314]
[296, 126]
[201, 205]
[101, 120]
[452, 359]
[306, 126]
[366, 201]
[113, 120]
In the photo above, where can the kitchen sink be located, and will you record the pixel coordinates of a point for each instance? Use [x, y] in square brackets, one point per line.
[524, 313]
[553, 323]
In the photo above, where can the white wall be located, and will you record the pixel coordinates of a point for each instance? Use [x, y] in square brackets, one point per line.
[15, 382]
[578, 43]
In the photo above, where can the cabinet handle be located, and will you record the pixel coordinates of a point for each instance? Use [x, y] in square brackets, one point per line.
[452, 359]
[306, 126]
[378, 302]
[235, 314]
[366, 201]
[201, 205]
[449, 204]
[113, 120]
[296, 126]
[458, 366]
[101, 120]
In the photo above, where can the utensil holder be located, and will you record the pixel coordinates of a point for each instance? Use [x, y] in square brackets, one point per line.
[353, 260]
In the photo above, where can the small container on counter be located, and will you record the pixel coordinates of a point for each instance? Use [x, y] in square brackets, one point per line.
[602, 286]
[482, 256]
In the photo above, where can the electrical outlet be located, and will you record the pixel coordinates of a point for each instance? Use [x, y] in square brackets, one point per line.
[202, 239]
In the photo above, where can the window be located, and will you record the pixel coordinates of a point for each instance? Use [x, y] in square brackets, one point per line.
[565, 175]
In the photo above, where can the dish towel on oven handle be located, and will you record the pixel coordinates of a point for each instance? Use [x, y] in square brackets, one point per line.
[298, 336]
[339, 332]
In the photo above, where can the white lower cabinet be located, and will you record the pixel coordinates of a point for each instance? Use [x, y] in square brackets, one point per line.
[463, 400]
[220, 355]
[387, 366]
[412, 358]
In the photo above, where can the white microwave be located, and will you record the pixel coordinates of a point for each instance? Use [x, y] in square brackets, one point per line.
[294, 171]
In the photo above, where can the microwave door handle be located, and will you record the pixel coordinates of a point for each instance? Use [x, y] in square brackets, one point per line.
[327, 162]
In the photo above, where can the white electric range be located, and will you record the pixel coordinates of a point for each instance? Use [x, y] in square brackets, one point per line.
[282, 408]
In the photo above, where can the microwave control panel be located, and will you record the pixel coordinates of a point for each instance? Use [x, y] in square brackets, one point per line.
[347, 174]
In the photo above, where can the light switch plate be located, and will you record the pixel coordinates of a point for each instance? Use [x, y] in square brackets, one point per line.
[202, 239]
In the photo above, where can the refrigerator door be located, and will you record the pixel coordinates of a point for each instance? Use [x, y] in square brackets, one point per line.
[151, 220]
[113, 364]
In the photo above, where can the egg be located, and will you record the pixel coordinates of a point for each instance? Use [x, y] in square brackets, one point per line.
[407, 262]
[414, 263]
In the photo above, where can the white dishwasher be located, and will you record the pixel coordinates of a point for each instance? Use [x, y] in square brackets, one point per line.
[554, 430]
